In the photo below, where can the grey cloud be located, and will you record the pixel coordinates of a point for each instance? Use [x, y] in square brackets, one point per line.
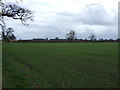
[93, 18]
[65, 14]
[96, 14]
[53, 30]
[92, 14]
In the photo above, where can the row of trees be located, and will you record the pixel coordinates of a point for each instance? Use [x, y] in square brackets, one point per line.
[72, 35]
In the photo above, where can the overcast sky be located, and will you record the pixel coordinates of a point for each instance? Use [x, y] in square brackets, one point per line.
[55, 18]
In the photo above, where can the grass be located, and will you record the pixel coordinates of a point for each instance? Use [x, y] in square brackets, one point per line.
[60, 65]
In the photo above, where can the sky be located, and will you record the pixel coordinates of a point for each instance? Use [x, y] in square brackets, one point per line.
[55, 18]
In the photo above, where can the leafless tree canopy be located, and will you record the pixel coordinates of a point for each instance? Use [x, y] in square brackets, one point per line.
[13, 11]
[9, 30]
[92, 37]
[71, 35]
[16, 12]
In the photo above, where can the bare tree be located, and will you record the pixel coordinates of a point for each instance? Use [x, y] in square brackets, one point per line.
[71, 35]
[16, 12]
[13, 11]
[9, 34]
[56, 38]
[9, 31]
[92, 37]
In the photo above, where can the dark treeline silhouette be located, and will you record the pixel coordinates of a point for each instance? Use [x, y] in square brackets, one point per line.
[70, 37]
[65, 40]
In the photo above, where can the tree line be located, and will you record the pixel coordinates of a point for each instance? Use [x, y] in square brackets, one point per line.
[70, 37]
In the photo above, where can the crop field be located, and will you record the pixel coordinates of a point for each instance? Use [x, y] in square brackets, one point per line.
[60, 65]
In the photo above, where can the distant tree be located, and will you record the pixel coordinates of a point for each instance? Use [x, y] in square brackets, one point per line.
[46, 38]
[81, 39]
[9, 34]
[71, 35]
[9, 31]
[56, 38]
[11, 37]
[111, 40]
[101, 39]
[118, 39]
[106, 39]
[92, 37]
[85, 39]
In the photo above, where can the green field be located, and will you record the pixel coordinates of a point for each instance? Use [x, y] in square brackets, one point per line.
[60, 65]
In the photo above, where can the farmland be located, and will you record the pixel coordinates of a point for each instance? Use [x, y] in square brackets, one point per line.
[60, 65]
